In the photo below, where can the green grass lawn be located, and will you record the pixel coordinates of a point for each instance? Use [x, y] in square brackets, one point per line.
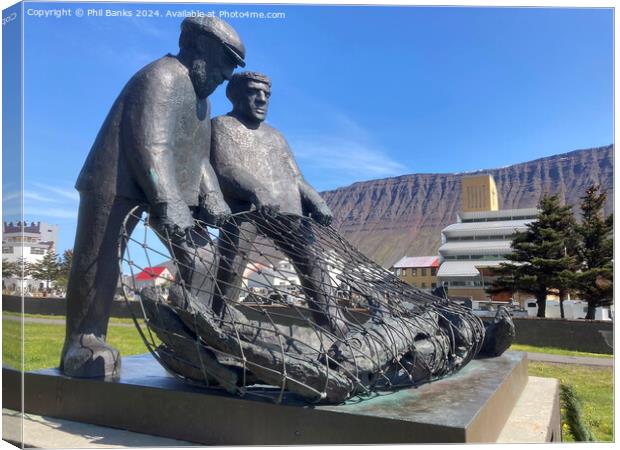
[43, 342]
[593, 386]
[555, 351]
[48, 316]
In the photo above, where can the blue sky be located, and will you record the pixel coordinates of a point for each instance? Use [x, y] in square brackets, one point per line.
[359, 92]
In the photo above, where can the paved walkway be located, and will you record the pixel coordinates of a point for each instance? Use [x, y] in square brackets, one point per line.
[49, 432]
[55, 321]
[580, 360]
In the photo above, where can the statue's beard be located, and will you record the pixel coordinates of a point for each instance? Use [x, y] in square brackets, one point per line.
[200, 80]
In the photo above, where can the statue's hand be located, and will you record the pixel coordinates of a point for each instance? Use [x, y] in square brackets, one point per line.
[214, 210]
[172, 219]
[322, 214]
[266, 203]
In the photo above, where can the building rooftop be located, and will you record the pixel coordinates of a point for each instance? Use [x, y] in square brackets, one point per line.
[502, 214]
[10, 227]
[150, 273]
[464, 268]
[486, 228]
[417, 261]
[476, 248]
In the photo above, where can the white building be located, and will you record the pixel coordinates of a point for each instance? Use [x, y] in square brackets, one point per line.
[263, 280]
[479, 240]
[30, 242]
[153, 276]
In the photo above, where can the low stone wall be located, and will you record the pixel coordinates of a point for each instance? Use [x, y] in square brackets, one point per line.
[53, 306]
[594, 336]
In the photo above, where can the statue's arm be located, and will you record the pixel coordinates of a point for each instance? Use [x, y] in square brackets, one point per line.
[151, 112]
[211, 199]
[312, 203]
[244, 186]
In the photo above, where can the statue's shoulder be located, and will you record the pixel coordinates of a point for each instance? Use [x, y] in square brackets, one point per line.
[225, 124]
[273, 133]
[162, 72]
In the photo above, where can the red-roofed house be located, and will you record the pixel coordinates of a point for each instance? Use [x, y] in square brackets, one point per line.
[153, 276]
[418, 271]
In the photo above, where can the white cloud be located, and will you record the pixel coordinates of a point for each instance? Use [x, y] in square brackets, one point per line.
[10, 196]
[67, 193]
[338, 155]
[57, 213]
[342, 153]
[30, 195]
[45, 201]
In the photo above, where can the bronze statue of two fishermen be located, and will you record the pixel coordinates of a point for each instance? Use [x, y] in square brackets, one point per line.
[158, 151]
[153, 150]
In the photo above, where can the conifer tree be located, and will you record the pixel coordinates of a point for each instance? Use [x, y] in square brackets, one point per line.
[540, 258]
[9, 268]
[65, 268]
[594, 281]
[47, 269]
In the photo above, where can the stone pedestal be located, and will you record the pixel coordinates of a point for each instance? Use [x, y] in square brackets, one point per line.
[472, 405]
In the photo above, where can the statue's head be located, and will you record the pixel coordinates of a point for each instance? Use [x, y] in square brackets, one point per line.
[216, 49]
[249, 93]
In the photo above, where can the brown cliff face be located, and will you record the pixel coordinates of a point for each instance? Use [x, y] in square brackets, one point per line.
[393, 217]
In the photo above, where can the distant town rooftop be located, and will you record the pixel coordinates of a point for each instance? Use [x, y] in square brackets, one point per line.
[10, 227]
[417, 261]
[150, 273]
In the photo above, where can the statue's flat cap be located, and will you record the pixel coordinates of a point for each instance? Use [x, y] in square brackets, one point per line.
[222, 31]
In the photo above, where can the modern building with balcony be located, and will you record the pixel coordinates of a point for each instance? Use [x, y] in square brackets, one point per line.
[30, 242]
[479, 241]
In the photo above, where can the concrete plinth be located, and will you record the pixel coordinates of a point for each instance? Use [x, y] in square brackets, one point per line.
[470, 406]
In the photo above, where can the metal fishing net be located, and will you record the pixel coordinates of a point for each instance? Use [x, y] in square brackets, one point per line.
[270, 302]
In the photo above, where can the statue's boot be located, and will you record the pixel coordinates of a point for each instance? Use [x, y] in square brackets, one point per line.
[87, 356]
[499, 335]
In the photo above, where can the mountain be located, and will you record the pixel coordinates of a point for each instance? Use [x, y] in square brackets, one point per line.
[393, 217]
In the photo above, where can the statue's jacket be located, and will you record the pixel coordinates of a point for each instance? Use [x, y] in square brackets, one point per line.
[154, 141]
[250, 160]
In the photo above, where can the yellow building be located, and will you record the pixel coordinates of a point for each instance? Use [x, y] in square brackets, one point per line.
[479, 193]
[418, 271]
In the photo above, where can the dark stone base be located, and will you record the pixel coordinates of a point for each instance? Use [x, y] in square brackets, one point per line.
[470, 406]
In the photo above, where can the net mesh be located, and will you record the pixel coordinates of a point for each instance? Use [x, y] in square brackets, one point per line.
[277, 305]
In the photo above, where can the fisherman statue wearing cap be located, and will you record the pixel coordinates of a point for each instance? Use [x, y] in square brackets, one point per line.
[255, 167]
[152, 151]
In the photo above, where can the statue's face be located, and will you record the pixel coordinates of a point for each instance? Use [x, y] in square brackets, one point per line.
[253, 101]
[212, 66]
[219, 71]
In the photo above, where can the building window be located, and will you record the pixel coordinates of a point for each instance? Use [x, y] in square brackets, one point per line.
[414, 272]
[37, 251]
[7, 249]
[397, 272]
[404, 272]
[433, 271]
[423, 271]
[423, 285]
